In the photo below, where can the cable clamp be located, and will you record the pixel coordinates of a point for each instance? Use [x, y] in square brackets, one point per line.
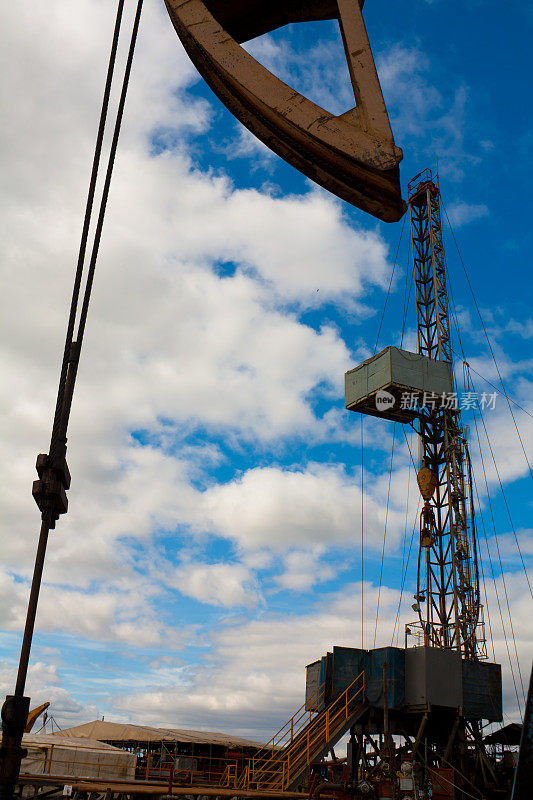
[50, 491]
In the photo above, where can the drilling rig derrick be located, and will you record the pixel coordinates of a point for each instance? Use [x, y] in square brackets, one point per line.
[439, 689]
[450, 612]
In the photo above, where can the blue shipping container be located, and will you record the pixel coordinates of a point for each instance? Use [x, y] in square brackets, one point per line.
[482, 690]
[394, 658]
[340, 668]
[348, 663]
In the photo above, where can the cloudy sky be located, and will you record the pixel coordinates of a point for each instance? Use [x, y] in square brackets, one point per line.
[212, 547]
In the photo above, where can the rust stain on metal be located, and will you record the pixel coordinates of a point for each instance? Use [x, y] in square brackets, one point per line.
[352, 155]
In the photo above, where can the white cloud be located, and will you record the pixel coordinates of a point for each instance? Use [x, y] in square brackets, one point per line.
[507, 544]
[246, 145]
[319, 72]
[217, 584]
[44, 686]
[461, 213]
[402, 76]
[501, 432]
[505, 638]
[303, 569]
[255, 677]
[523, 329]
[431, 123]
[125, 612]
[282, 508]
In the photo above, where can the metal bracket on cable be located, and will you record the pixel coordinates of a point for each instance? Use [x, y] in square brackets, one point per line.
[50, 490]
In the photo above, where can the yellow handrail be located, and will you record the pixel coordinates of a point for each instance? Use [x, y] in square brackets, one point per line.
[289, 728]
[276, 767]
[229, 776]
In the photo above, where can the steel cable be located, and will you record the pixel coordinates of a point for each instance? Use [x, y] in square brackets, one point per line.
[103, 205]
[497, 595]
[485, 536]
[404, 576]
[499, 556]
[390, 282]
[49, 506]
[505, 498]
[109, 173]
[407, 294]
[483, 378]
[385, 532]
[470, 384]
[85, 231]
[404, 543]
[362, 540]
[488, 342]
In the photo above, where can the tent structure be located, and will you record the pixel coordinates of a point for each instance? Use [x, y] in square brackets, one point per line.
[68, 756]
[119, 734]
[199, 756]
[508, 735]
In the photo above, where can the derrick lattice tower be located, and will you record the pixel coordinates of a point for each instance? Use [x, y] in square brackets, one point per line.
[448, 597]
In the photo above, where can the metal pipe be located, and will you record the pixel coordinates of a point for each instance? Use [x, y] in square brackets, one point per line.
[16, 707]
[327, 785]
[32, 608]
[421, 729]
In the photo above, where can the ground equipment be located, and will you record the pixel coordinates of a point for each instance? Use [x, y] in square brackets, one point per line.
[352, 155]
[34, 715]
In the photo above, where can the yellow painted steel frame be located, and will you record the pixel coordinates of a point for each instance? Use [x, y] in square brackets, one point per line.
[301, 739]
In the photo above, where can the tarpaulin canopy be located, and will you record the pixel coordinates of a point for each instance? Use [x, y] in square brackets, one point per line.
[509, 735]
[65, 755]
[121, 732]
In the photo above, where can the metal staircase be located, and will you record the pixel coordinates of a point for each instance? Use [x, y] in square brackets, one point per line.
[306, 737]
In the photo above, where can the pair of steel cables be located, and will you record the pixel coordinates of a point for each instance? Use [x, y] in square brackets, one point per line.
[53, 472]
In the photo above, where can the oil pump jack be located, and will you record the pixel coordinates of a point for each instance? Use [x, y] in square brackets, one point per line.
[353, 155]
[431, 697]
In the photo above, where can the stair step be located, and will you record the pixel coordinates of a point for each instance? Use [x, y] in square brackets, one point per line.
[284, 769]
[298, 763]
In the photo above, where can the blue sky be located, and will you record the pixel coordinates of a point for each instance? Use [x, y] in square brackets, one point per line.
[211, 549]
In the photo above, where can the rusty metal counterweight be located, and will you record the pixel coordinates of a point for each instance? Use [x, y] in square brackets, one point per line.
[352, 155]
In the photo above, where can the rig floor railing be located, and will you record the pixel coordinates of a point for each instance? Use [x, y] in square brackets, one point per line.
[52, 786]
